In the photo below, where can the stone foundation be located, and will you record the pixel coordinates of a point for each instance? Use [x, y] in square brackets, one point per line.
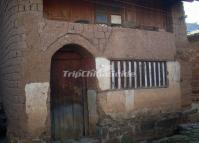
[139, 128]
[188, 133]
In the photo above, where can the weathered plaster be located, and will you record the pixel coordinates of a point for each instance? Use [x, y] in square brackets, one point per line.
[124, 103]
[103, 73]
[108, 42]
[92, 110]
[130, 99]
[36, 106]
[164, 99]
[174, 71]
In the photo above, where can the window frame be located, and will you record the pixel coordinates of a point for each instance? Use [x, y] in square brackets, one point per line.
[109, 12]
[119, 13]
[166, 73]
[106, 12]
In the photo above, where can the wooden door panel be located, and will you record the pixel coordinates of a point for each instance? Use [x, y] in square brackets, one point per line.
[67, 98]
[78, 120]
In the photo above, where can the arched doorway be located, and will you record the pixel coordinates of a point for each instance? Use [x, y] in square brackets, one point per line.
[69, 110]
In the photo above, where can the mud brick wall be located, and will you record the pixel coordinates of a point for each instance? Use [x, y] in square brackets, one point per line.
[194, 62]
[195, 80]
[11, 69]
[12, 44]
[181, 42]
[28, 41]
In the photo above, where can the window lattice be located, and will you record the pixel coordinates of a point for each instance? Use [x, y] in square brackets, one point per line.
[127, 74]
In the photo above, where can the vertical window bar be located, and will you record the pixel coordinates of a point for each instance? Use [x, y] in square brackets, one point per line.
[130, 75]
[135, 74]
[119, 74]
[113, 74]
[145, 75]
[159, 75]
[165, 70]
[140, 70]
[124, 73]
[150, 74]
[116, 74]
[163, 73]
[154, 69]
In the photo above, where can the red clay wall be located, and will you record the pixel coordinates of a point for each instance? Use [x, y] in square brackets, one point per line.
[28, 41]
[194, 61]
[12, 44]
[181, 43]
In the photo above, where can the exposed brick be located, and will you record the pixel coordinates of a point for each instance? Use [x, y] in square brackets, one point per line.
[10, 65]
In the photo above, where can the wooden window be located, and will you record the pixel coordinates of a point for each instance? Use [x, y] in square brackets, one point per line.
[108, 15]
[116, 16]
[69, 10]
[101, 16]
[128, 74]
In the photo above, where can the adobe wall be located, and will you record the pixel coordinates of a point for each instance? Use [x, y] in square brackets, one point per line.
[194, 62]
[181, 42]
[137, 112]
[12, 44]
[30, 57]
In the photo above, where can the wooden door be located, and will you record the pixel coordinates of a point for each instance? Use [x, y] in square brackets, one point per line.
[67, 98]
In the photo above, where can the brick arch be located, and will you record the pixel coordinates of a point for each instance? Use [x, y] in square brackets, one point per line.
[84, 48]
[47, 54]
[71, 39]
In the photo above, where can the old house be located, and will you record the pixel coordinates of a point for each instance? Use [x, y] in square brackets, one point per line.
[42, 40]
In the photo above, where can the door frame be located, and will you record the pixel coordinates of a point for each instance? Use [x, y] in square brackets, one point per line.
[77, 49]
